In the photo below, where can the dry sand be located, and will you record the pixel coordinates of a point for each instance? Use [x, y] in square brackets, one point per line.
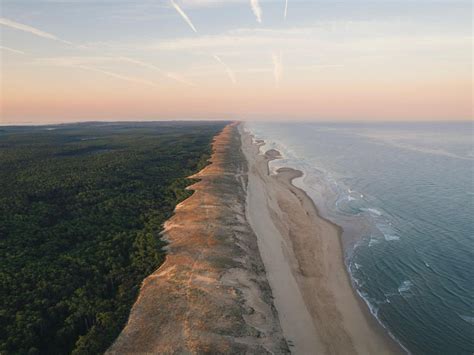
[319, 311]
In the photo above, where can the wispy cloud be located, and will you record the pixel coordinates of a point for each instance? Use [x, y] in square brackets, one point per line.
[8, 49]
[179, 78]
[92, 62]
[229, 71]
[140, 63]
[286, 9]
[174, 76]
[277, 68]
[334, 40]
[257, 10]
[183, 15]
[209, 3]
[34, 31]
[117, 76]
[40, 33]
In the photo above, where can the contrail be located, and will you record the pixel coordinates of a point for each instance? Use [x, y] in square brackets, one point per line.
[173, 76]
[140, 63]
[19, 26]
[229, 71]
[286, 9]
[183, 15]
[257, 10]
[39, 33]
[12, 50]
[180, 79]
[117, 76]
[277, 69]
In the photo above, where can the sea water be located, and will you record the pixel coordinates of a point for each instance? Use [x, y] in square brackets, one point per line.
[403, 194]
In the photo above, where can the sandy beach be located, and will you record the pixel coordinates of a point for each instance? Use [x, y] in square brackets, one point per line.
[319, 311]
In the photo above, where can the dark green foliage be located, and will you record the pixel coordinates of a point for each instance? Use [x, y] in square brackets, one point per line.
[81, 209]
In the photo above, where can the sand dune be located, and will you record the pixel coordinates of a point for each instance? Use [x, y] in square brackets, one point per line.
[211, 295]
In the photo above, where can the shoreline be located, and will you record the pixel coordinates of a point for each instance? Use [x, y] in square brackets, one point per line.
[341, 319]
[372, 319]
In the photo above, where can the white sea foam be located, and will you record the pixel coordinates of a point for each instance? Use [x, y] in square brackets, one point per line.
[372, 305]
[346, 198]
[468, 319]
[405, 286]
[373, 241]
[372, 211]
[388, 233]
[390, 237]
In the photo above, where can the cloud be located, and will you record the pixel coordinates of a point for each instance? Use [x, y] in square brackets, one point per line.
[257, 10]
[277, 68]
[179, 78]
[91, 62]
[34, 31]
[11, 50]
[78, 62]
[117, 76]
[229, 71]
[349, 39]
[209, 3]
[286, 9]
[173, 76]
[183, 15]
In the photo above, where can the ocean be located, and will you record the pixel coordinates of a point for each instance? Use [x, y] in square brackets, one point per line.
[403, 194]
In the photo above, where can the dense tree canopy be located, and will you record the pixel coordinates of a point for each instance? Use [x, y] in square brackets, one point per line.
[81, 210]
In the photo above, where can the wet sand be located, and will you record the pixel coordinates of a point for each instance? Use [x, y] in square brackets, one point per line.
[319, 311]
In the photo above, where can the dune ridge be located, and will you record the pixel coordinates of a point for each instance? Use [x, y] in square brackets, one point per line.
[211, 295]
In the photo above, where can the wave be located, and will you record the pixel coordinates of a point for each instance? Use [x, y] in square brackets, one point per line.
[373, 241]
[344, 202]
[390, 237]
[468, 319]
[372, 211]
[405, 287]
[387, 231]
[374, 307]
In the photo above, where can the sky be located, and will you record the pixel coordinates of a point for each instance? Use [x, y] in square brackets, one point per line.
[330, 60]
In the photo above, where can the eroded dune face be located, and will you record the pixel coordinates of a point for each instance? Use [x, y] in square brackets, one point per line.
[211, 294]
